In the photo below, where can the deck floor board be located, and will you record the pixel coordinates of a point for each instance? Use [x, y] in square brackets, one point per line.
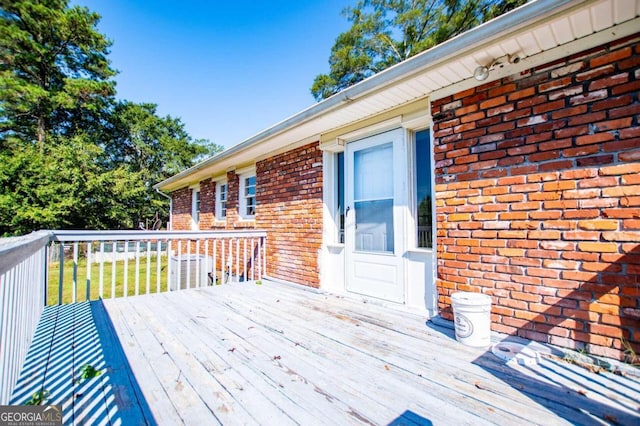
[275, 354]
[249, 354]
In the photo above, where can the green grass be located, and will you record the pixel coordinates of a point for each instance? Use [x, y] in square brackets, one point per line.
[81, 283]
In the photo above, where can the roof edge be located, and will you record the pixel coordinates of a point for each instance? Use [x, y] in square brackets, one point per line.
[504, 24]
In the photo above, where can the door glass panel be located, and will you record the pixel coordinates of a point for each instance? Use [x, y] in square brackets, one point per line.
[374, 225]
[373, 198]
[373, 172]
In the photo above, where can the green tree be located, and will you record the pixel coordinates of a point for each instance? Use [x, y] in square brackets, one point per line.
[60, 187]
[152, 148]
[386, 32]
[71, 156]
[54, 74]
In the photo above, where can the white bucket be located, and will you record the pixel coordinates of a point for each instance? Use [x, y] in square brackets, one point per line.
[472, 318]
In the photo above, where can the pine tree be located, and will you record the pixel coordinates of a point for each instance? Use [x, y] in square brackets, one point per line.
[386, 32]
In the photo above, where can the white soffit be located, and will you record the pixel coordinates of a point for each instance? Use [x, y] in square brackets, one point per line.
[556, 23]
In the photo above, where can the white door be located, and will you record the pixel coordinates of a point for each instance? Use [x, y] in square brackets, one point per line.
[374, 225]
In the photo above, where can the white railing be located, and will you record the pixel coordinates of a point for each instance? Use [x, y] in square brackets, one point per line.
[105, 264]
[55, 267]
[22, 299]
[425, 235]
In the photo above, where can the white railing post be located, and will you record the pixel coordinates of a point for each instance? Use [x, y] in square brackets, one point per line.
[169, 265]
[198, 276]
[137, 274]
[244, 260]
[74, 289]
[101, 267]
[126, 269]
[158, 264]
[263, 270]
[88, 259]
[113, 268]
[61, 274]
[215, 262]
[237, 260]
[188, 266]
[206, 262]
[148, 275]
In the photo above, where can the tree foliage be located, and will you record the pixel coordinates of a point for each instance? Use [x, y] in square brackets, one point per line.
[54, 74]
[386, 32]
[71, 155]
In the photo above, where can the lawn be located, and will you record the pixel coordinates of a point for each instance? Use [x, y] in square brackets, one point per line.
[110, 287]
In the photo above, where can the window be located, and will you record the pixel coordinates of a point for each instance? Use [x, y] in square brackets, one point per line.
[221, 200]
[340, 181]
[247, 196]
[195, 206]
[424, 213]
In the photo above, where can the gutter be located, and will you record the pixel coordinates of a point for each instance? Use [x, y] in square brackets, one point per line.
[510, 22]
[169, 228]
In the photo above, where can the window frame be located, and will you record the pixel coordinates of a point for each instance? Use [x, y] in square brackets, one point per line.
[219, 209]
[242, 197]
[339, 214]
[196, 205]
[414, 192]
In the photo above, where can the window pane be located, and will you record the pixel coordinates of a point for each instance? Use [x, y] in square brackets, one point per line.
[423, 189]
[249, 206]
[196, 206]
[373, 173]
[250, 186]
[222, 201]
[374, 225]
[340, 179]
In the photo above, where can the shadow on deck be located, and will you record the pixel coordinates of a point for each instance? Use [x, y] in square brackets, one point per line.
[578, 394]
[69, 337]
[272, 354]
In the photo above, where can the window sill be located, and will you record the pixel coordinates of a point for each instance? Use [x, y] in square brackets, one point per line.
[335, 245]
[245, 223]
[420, 250]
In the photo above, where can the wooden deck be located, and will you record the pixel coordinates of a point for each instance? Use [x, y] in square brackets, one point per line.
[272, 354]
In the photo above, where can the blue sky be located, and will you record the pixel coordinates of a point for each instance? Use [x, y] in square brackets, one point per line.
[228, 69]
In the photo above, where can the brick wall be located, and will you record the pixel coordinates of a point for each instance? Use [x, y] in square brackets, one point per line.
[538, 199]
[207, 204]
[233, 188]
[289, 206]
[181, 218]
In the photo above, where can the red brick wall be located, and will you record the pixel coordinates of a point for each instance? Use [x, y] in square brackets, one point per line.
[181, 218]
[538, 199]
[289, 206]
[233, 188]
[207, 204]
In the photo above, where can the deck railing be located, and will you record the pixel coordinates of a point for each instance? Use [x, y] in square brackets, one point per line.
[22, 298]
[56, 267]
[87, 265]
